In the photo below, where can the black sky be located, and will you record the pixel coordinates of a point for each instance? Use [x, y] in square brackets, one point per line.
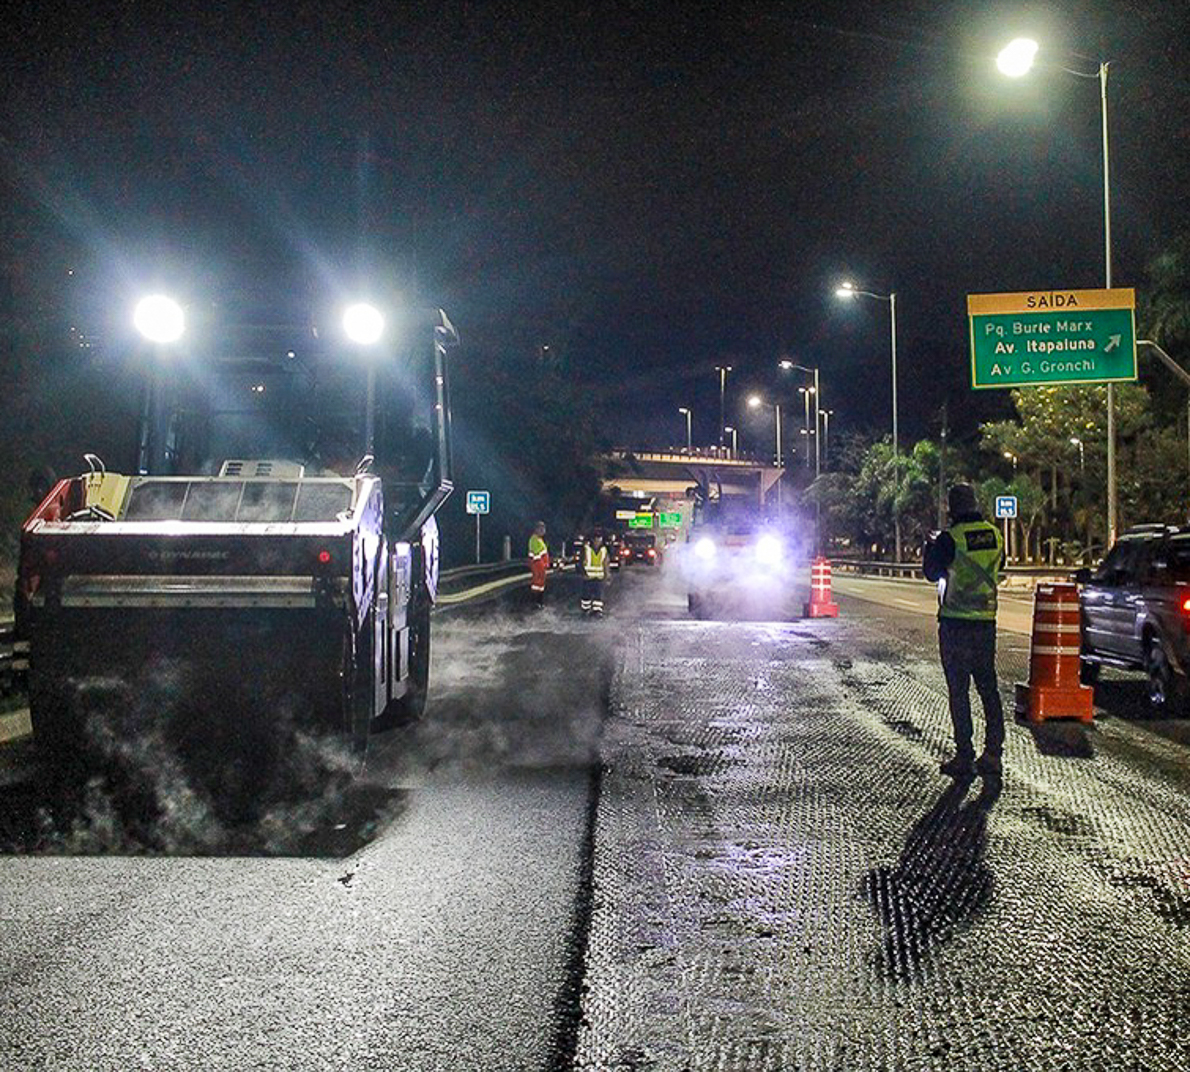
[647, 187]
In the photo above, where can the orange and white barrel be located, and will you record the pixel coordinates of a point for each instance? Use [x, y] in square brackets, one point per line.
[820, 605]
[1053, 689]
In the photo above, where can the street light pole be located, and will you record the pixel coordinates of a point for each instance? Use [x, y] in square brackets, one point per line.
[723, 370]
[826, 438]
[849, 290]
[689, 436]
[735, 450]
[1015, 60]
[806, 392]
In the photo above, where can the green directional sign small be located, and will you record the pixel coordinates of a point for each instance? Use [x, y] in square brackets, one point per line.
[641, 521]
[669, 521]
[1038, 338]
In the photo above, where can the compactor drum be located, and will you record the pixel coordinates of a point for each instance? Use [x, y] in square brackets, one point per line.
[264, 618]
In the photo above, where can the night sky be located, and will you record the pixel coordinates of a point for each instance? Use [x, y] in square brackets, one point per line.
[648, 188]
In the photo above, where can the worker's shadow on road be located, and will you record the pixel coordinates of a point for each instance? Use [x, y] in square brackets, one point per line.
[940, 883]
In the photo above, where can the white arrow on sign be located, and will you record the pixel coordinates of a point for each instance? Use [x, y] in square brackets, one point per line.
[1113, 343]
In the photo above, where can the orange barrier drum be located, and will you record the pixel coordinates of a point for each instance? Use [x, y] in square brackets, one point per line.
[820, 605]
[1053, 689]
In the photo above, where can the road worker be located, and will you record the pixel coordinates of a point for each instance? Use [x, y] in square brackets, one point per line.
[966, 561]
[596, 570]
[539, 563]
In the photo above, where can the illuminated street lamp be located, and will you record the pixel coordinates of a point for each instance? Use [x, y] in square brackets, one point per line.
[735, 443]
[1016, 57]
[849, 291]
[1012, 458]
[689, 437]
[786, 365]
[1016, 60]
[160, 321]
[756, 402]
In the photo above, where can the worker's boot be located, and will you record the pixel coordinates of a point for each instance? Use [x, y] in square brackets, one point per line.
[959, 767]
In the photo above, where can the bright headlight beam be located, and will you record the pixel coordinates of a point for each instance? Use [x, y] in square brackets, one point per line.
[363, 324]
[159, 318]
[768, 550]
[1016, 57]
[705, 548]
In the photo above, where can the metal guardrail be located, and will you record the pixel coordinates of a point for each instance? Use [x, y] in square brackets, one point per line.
[913, 569]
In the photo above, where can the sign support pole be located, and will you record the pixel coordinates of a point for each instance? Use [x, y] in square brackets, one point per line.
[1112, 512]
[477, 539]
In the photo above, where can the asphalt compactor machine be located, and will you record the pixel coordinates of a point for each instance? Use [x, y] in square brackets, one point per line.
[268, 575]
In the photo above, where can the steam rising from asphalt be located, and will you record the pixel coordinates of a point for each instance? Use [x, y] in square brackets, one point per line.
[509, 692]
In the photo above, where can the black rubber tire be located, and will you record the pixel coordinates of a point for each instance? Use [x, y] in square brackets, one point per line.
[1088, 672]
[1167, 688]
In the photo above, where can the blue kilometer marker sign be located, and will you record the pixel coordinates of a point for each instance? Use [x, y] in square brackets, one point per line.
[479, 502]
[1005, 506]
[1047, 337]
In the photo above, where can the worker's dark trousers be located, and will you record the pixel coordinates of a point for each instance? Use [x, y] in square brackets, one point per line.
[968, 651]
[592, 598]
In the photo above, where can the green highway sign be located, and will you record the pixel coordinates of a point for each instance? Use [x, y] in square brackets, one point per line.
[669, 521]
[641, 521]
[1046, 337]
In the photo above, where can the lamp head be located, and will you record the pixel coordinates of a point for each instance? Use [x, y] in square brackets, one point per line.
[363, 324]
[159, 319]
[845, 290]
[1016, 57]
[754, 401]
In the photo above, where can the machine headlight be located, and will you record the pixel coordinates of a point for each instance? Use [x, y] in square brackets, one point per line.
[705, 548]
[768, 550]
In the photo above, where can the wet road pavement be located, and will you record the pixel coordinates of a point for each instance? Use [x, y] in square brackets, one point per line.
[783, 880]
[428, 918]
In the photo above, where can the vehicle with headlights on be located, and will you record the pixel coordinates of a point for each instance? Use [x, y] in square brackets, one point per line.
[741, 566]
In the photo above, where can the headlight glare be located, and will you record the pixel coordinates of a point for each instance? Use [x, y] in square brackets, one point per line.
[705, 548]
[768, 550]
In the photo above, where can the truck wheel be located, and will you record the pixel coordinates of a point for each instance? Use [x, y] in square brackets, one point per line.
[411, 706]
[1088, 672]
[696, 605]
[1167, 688]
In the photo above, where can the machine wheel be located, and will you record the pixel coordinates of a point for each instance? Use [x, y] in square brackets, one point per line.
[697, 606]
[1167, 688]
[1088, 672]
[411, 706]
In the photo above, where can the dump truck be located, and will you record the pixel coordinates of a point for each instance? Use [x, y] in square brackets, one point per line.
[270, 558]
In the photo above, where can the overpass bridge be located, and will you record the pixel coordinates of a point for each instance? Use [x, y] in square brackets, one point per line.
[669, 475]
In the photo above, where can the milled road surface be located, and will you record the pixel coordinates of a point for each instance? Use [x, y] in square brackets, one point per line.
[431, 918]
[783, 880]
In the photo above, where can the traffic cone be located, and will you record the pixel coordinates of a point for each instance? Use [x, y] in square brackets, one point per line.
[820, 605]
[1054, 689]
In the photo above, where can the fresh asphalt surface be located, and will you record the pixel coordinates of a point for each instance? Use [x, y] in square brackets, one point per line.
[429, 918]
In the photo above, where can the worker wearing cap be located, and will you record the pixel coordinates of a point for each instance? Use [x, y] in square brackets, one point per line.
[966, 561]
[539, 563]
[595, 572]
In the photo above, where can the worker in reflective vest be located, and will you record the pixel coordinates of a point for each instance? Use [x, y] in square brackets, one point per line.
[539, 562]
[966, 561]
[595, 572]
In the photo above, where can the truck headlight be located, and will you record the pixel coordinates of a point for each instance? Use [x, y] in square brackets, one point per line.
[768, 550]
[705, 548]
